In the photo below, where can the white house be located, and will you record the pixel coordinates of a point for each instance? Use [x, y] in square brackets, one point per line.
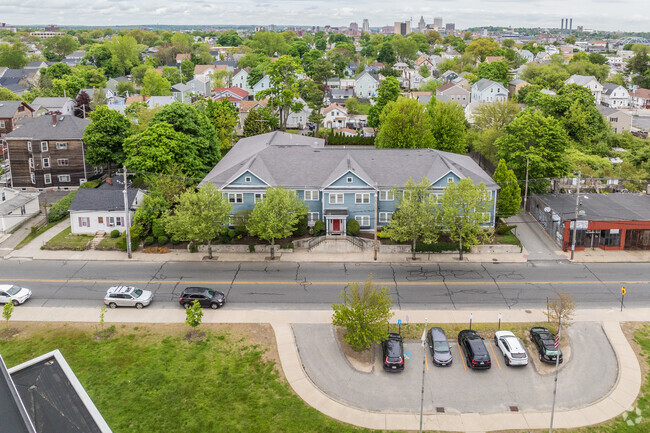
[299, 120]
[485, 90]
[44, 104]
[615, 96]
[641, 98]
[590, 82]
[263, 84]
[366, 85]
[15, 208]
[240, 79]
[336, 116]
[102, 209]
[527, 55]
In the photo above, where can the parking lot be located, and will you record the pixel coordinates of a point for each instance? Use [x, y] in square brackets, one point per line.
[588, 375]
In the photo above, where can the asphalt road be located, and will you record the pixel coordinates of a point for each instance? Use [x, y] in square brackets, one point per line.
[317, 285]
[588, 375]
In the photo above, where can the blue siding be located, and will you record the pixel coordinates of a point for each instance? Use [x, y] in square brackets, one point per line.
[343, 182]
[442, 182]
[255, 181]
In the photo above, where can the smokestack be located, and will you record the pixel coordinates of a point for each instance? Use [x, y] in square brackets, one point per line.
[570, 26]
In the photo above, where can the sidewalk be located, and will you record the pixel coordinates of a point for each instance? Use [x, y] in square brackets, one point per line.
[538, 245]
[9, 242]
[622, 396]
[33, 249]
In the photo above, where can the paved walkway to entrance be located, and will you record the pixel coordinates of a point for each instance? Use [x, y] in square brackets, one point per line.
[538, 244]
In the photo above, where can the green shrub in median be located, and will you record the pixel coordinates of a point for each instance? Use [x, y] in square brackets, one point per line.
[59, 211]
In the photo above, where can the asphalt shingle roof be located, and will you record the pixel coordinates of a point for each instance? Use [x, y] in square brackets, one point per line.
[8, 108]
[67, 127]
[601, 207]
[99, 199]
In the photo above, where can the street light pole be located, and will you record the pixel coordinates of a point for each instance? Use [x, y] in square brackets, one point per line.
[557, 363]
[127, 216]
[575, 221]
[424, 361]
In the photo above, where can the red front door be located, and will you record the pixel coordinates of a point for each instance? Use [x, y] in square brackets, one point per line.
[336, 225]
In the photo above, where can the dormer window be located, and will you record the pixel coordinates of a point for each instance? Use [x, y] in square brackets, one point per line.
[450, 180]
[247, 179]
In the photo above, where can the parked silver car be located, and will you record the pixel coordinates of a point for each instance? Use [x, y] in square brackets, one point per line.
[439, 347]
[127, 296]
[511, 347]
[15, 294]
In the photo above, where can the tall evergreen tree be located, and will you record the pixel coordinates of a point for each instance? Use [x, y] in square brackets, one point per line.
[510, 192]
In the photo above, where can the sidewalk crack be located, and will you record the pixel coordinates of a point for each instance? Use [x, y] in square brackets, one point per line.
[399, 304]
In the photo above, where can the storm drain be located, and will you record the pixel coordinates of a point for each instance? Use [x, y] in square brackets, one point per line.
[514, 409]
[440, 409]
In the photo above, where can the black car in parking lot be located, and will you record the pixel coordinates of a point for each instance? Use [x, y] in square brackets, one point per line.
[440, 351]
[393, 349]
[476, 354]
[544, 340]
[206, 297]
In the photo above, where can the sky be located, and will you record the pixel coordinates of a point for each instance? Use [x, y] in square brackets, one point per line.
[626, 15]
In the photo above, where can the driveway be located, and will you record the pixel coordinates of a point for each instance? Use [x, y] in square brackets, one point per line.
[587, 377]
[538, 244]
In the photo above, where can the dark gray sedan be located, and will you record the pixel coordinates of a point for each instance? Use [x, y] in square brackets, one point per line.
[439, 346]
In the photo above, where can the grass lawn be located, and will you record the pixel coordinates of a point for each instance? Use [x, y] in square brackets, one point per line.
[109, 243]
[33, 234]
[364, 107]
[67, 241]
[148, 378]
[508, 238]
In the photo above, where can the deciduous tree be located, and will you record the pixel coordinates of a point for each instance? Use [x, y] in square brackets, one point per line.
[495, 114]
[404, 124]
[364, 313]
[416, 216]
[154, 84]
[125, 53]
[448, 126]
[464, 210]
[276, 215]
[199, 216]
[388, 91]
[509, 193]
[8, 95]
[224, 117]
[285, 88]
[104, 137]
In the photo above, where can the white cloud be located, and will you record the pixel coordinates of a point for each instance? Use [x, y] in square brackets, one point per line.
[598, 14]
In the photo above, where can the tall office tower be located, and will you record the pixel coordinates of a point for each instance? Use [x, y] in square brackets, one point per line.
[422, 25]
[437, 23]
[402, 28]
[354, 27]
[365, 26]
[450, 28]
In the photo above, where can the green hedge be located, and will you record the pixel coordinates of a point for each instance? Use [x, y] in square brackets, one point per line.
[343, 140]
[59, 211]
[353, 227]
[438, 247]
[91, 184]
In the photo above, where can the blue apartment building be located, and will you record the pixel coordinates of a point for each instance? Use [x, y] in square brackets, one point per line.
[337, 183]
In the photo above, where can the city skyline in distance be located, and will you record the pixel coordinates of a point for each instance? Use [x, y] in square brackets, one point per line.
[622, 15]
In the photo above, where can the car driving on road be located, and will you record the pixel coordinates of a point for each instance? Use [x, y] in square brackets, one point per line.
[126, 296]
[473, 346]
[206, 297]
[544, 340]
[12, 293]
[393, 349]
[439, 346]
[511, 347]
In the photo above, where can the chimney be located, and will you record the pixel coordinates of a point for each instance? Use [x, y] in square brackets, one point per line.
[53, 119]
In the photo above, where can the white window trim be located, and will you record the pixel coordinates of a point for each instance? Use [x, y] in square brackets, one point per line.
[349, 179]
[44, 146]
[385, 217]
[386, 195]
[64, 162]
[360, 198]
[29, 146]
[451, 180]
[248, 179]
[2, 124]
[234, 196]
[33, 177]
[335, 196]
[313, 194]
[258, 196]
[312, 217]
[47, 178]
[64, 178]
[61, 145]
[44, 160]
[361, 218]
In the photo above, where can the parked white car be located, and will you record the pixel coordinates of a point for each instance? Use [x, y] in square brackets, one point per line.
[126, 296]
[11, 293]
[511, 347]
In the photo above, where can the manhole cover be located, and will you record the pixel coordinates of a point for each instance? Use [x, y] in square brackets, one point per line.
[440, 409]
[514, 409]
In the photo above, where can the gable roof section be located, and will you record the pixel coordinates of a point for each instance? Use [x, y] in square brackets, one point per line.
[9, 108]
[245, 106]
[50, 102]
[366, 72]
[581, 80]
[101, 199]
[200, 69]
[608, 88]
[67, 128]
[484, 84]
[334, 106]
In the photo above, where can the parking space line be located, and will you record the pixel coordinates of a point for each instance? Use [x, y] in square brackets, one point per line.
[462, 357]
[495, 355]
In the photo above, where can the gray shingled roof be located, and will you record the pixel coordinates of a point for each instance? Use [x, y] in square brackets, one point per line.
[601, 207]
[484, 83]
[8, 108]
[279, 160]
[50, 102]
[608, 88]
[581, 80]
[605, 111]
[94, 199]
[67, 127]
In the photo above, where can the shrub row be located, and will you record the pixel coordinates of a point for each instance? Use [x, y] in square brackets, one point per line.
[343, 140]
[438, 247]
[59, 211]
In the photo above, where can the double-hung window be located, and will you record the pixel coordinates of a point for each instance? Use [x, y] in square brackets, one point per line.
[363, 220]
[235, 197]
[61, 145]
[65, 162]
[43, 146]
[312, 217]
[385, 217]
[46, 162]
[336, 198]
[311, 195]
[64, 178]
[362, 198]
[47, 178]
[259, 196]
[386, 195]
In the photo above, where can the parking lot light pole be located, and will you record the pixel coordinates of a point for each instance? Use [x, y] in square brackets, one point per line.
[557, 364]
[424, 360]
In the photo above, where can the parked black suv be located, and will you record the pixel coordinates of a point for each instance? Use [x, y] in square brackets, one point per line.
[393, 349]
[544, 340]
[476, 354]
[206, 297]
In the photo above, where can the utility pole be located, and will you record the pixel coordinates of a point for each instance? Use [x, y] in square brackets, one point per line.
[127, 216]
[424, 360]
[557, 363]
[575, 222]
[376, 209]
[526, 187]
